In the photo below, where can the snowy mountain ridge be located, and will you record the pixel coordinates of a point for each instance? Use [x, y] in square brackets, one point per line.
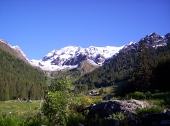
[71, 56]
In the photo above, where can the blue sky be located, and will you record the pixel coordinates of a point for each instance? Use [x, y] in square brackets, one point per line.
[39, 26]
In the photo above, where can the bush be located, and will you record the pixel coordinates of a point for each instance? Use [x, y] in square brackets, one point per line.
[148, 110]
[119, 116]
[75, 118]
[137, 95]
[11, 120]
[80, 103]
[148, 95]
[36, 120]
[166, 99]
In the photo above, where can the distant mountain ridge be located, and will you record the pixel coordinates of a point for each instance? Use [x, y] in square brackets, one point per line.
[72, 56]
[153, 40]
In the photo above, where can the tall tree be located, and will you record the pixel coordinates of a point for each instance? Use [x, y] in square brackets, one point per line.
[141, 78]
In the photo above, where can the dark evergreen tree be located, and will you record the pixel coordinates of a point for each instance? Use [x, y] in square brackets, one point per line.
[160, 77]
[141, 78]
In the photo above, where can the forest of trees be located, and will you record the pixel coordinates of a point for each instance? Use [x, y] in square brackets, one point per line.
[19, 79]
[146, 63]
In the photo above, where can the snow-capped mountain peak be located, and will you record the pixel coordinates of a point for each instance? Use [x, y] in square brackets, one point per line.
[71, 56]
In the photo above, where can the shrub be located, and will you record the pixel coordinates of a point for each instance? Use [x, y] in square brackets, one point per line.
[56, 101]
[75, 118]
[80, 103]
[148, 95]
[148, 110]
[36, 120]
[11, 120]
[137, 95]
[119, 115]
[166, 99]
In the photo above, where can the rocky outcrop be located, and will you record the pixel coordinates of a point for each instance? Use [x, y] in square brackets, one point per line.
[100, 59]
[76, 60]
[106, 108]
[154, 119]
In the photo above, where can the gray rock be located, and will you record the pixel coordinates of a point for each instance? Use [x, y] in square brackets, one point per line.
[106, 108]
[80, 124]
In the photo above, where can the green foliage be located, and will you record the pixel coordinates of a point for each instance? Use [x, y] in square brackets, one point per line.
[119, 115]
[101, 91]
[36, 120]
[75, 118]
[79, 103]
[137, 95]
[59, 85]
[166, 99]
[56, 102]
[148, 110]
[30, 120]
[19, 79]
[10, 120]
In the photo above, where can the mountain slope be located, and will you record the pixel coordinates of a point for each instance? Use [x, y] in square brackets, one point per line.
[19, 79]
[120, 68]
[13, 50]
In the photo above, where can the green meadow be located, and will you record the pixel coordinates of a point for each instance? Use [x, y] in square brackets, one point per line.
[19, 107]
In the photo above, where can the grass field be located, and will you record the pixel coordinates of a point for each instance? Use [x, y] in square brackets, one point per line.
[19, 107]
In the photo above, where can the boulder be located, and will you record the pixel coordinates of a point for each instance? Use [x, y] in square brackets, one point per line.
[106, 108]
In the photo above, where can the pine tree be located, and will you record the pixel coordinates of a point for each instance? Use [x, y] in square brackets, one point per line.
[142, 74]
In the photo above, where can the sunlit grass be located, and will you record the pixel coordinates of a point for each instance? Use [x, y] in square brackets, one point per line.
[18, 107]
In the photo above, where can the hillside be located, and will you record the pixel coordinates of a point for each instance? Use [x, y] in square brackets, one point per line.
[120, 68]
[75, 73]
[19, 79]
